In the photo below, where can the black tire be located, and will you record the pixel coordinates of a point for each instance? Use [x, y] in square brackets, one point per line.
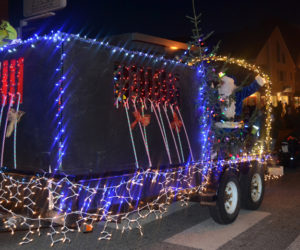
[220, 213]
[253, 187]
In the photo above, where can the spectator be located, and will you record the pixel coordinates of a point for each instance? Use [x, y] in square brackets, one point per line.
[288, 117]
[280, 108]
[276, 126]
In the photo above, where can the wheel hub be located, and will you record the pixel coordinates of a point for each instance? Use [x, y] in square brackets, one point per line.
[256, 187]
[231, 197]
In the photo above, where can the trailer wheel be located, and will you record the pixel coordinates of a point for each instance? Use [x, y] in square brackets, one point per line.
[228, 200]
[253, 188]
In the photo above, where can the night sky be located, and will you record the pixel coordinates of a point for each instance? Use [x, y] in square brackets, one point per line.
[164, 18]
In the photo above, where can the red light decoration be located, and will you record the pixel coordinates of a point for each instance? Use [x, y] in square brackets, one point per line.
[4, 80]
[11, 79]
[176, 123]
[144, 84]
[144, 120]
[20, 75]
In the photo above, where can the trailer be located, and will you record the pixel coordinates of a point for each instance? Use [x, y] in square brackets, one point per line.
[95, 132]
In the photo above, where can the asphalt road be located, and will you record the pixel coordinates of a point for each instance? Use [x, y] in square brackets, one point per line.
[275, 225]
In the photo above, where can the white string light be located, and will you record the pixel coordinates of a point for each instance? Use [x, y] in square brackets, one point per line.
[179, 182]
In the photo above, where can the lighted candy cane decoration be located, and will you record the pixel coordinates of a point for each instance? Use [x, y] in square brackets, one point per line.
[143, 133]
[126, 106]
[144, 107]
[20, 65]
[2, 104]
[174, 140]
[15, 132]
[162, 132]
[178, 136]
[2, 107]
[5, 127]
[186, 134]
[163, 126]
[4, 93]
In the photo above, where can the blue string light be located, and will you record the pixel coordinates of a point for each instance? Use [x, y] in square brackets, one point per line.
[65, 37]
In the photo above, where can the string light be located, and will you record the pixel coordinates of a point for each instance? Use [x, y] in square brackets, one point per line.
[175, 183]
[157, 87]
[143, 84]
[264, 145]
[60, 37]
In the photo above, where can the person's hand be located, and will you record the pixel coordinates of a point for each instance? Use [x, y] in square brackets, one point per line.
[260, 80]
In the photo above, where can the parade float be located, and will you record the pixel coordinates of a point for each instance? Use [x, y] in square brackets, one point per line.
[94, 132]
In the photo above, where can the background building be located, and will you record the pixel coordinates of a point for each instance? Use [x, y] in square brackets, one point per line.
[273, 47]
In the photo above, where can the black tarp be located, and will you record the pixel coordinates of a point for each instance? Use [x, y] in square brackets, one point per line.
[96, 134]
[36, 128]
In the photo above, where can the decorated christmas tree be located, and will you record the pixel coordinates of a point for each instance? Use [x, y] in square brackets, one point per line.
[226, 131]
